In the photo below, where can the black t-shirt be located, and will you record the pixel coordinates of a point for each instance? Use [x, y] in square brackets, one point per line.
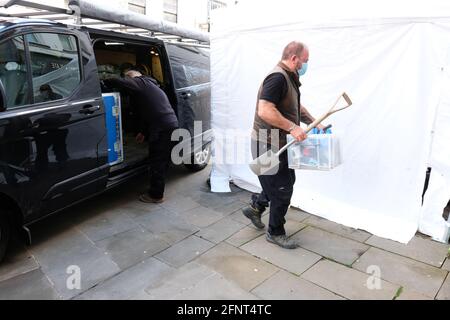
[274, 88]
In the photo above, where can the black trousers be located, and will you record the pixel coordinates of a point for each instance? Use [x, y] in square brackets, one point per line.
[277, 191]
[160, 148]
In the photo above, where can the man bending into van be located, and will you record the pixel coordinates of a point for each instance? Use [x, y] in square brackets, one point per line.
[157, 122]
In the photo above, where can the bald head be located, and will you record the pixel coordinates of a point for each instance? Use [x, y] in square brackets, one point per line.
[294, 55]
[293, 48]
[133, 73]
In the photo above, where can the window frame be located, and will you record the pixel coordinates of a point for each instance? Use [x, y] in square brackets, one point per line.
[29, 70]
[142, 43]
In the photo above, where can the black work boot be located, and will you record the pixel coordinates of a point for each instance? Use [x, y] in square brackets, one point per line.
[282, 241]
[254, 215]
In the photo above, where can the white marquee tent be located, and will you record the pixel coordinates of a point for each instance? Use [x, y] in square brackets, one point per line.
[393, 59]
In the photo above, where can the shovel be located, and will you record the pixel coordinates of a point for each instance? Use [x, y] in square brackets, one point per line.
[267, 163]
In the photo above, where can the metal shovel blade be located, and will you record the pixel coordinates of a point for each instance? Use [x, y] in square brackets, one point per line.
[265, 164]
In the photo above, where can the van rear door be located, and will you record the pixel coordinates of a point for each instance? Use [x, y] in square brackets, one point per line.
[191, 73]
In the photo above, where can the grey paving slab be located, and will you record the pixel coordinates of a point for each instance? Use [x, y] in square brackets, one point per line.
[296, 261]
[407, 294]
[180, 204]
[220, 230]
[184, 251]
[408, 273]
[130, 282]
[244, 196]
[169, 227]
[216, 287]
[32, 285]
[18, 261]
[136, 208]
[227, 209]
[347, 232]
[200, 216]
[244, 235]
[239, 217]
[72, 248]
[330, 245]
[54, 226]
[291, 226]
[347, 282]
[444, 292]
[131, 247]
[297, 214]
[446, 265]
[286, 286]
[237, 266]
[106, 224]
[196, 186]
[420, 249]
[215, 200]
[176, 282]
[209, 286]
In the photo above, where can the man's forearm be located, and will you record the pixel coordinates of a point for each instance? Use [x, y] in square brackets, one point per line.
[305, 116]
[269, 113]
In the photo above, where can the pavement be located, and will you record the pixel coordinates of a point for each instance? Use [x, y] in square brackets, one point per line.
[198, 245]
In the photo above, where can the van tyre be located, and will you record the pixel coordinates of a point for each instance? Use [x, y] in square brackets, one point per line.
[200, 159]
[5, 233]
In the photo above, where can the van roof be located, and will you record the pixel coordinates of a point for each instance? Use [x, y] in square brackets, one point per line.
[13, 22]
[8, 23]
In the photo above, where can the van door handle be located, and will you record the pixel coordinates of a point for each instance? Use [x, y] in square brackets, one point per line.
[35, 125]
[89, 109]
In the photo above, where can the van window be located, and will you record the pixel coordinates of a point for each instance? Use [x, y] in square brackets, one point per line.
[179, 75]
[55, 65]
[196, 74]
[13, 72]
[190, 65]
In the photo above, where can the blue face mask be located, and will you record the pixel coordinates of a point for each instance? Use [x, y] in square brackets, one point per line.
[302, 71]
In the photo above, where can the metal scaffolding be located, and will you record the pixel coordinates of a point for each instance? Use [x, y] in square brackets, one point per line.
[100, 16]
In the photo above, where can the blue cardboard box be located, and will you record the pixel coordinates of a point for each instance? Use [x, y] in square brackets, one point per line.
[113, 127]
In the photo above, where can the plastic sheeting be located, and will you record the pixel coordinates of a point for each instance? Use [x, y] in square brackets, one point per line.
[438, 192]
[390, 60]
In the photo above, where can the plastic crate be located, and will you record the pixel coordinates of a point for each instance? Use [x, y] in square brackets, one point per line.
[317, 152]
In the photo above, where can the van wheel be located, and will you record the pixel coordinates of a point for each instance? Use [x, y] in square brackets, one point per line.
[200, 159]
[5, 233]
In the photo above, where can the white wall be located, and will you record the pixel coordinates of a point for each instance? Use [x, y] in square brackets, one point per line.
[154, 8]
[193, 13]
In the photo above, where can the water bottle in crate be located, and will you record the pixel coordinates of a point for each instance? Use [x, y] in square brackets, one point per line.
[320, 151]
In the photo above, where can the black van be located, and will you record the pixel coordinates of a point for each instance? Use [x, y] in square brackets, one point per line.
[53, 137]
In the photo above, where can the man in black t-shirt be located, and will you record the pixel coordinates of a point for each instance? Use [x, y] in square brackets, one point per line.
[278, 113]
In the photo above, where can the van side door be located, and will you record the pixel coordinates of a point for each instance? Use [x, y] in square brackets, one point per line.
[53, 128]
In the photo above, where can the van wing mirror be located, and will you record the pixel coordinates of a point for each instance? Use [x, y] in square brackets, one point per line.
[2, 97]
